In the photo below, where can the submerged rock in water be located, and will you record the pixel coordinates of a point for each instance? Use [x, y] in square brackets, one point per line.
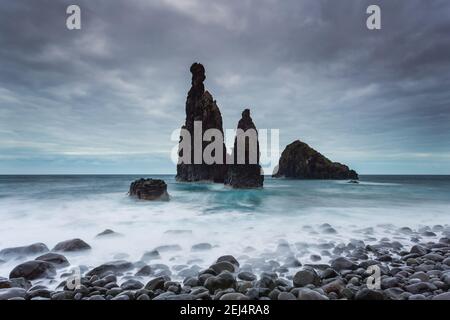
[56, 259]
[107, 233]
[111, 267]
[202, 109]
[245, 172]
[149, 189]
[300, 161]
[35, 248]
[72, 245]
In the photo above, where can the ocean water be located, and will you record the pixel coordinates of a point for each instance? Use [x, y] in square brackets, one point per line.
[244, 223]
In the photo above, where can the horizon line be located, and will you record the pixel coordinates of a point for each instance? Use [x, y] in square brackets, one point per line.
[174, 174]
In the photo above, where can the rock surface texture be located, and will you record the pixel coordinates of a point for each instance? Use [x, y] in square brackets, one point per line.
[300, 161]
[149, 189]
[201, 107]
[245, 172]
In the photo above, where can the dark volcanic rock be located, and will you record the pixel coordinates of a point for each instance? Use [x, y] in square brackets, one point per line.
[6, 294]
[15, 283]
[342, 263]
[107, 233]
[201, 246]
[367, 294]
[224, 280]
[228, 258]
[150, 255]
[145, 271]
[201, 108]
[32, 249]
[305, 277]
[113, 266]
[72, 245]
[149, 189]
[31, 270]
[245, 172]
[300, 161]
[56, 259]
[156, 283]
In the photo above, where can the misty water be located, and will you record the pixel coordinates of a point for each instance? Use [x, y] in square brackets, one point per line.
[244, 223]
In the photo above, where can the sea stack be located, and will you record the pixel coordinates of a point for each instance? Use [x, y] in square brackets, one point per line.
[245, 172]
[300, 161]
[201, 107]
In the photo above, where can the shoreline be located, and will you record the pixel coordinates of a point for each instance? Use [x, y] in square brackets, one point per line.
[419, 271]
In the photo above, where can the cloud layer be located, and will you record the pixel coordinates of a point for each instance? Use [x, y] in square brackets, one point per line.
[105, 99]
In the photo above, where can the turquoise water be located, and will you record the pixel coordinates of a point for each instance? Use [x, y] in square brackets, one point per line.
[50, 209]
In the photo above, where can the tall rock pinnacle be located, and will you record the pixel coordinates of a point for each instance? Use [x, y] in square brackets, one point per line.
[201, 107]
[245, 172]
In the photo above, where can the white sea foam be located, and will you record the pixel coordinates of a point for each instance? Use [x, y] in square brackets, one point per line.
[229, 220]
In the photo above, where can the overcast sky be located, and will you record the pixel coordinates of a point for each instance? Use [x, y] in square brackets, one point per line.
[106, 98]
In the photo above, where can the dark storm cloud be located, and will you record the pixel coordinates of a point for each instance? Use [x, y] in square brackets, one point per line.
[115, 90]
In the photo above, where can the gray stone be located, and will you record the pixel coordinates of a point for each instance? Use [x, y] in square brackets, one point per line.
[342, 263]
[315, 257]
[35, 248]
[224, 280]
[246, 276]
[145, 271]
[305, 277]
[6, 294]
[422, 276]
[417, 297]
[132, 284]
[308, 294]
[442, 296]
[32, 270]
[389, 282]
[394, 293]
[434, 257]
[418, 249]
[328, 273]
[234, 296]
[335, 286]
[157, 283]
[122, 297]
[72, 246]
[56, 259]
[222, 266]
[266, 281]
[420, 287]
[228, 258]
[107, 233]
[201, 247]
[405, 230]
[367, 294]
[286, 296]
[39, 293]
[15, 283]
[143, 297]
[110, 267]
[151, 255]
[168, 247]
[446, 261]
